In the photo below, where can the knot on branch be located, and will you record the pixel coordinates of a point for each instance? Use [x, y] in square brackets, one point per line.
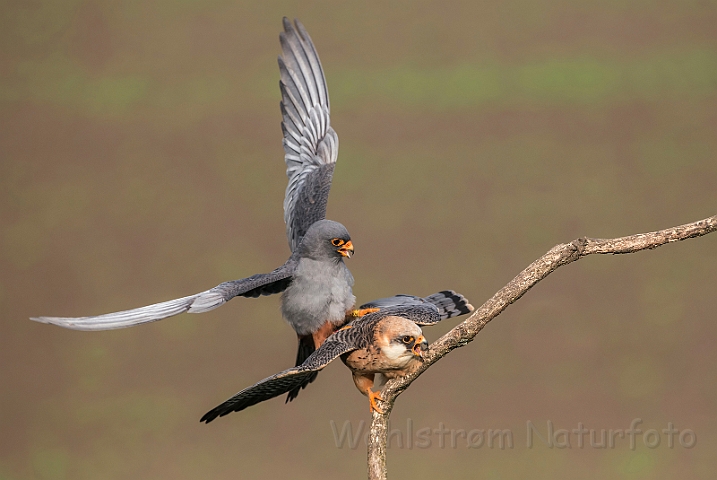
[578, 247]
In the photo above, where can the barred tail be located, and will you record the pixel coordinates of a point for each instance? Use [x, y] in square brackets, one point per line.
[450, 303]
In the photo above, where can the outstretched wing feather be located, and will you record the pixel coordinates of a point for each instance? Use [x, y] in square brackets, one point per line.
[282, 382]
[254, 286]
[448, 303]
[358, 335]
[310, 144]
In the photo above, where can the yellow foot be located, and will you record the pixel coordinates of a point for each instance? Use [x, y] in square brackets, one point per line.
[372, 397]
[361, 312]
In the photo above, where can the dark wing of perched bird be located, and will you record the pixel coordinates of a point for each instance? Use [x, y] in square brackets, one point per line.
[341, 342]
[254, 286]
[359, 334]
[311, 146]
[449, 303]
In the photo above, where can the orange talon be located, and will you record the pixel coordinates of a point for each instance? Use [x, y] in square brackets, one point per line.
[372, 397]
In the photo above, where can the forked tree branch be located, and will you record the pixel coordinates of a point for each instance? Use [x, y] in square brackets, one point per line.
[465, 332]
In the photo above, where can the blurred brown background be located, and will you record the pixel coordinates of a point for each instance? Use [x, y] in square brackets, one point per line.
[141, 160]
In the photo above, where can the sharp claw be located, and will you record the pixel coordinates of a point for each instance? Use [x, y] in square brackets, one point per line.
[372, 397]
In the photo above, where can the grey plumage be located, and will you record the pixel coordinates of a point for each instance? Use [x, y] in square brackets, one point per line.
[254, 286]
[321, 289]
[316, 283]
[315, 278]
[450, 303]
[359, 334]
[311, 146]
[311, 150]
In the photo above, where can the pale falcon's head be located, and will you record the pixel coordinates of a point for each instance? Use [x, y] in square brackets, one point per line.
[400, 341]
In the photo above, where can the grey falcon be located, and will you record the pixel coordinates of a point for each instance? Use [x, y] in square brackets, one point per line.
[316, 284]
[384, 344]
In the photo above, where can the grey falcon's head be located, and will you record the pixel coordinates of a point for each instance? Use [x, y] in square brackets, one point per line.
[326, 239]
[400, 340]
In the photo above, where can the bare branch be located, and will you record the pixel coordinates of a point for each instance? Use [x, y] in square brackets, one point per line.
[466, 331]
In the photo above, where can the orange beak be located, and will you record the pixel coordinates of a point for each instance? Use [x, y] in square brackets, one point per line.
[420, 347]
[347, 249]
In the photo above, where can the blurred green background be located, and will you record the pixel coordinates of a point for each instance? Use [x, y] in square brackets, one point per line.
[141, 160]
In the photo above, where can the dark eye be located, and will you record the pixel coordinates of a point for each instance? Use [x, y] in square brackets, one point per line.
[407, 339]
[337, 242]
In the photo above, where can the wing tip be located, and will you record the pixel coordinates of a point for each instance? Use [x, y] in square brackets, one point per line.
[451, 303]
[217, 412]
[208, 417]
[66, 322]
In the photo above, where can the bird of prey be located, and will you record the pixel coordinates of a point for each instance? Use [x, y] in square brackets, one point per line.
[316, 284]
[387, 344]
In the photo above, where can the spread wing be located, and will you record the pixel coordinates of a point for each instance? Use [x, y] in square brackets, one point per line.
[311, 146]
[449, 304]
[254, 286]
[359, 334]
[283, 382]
